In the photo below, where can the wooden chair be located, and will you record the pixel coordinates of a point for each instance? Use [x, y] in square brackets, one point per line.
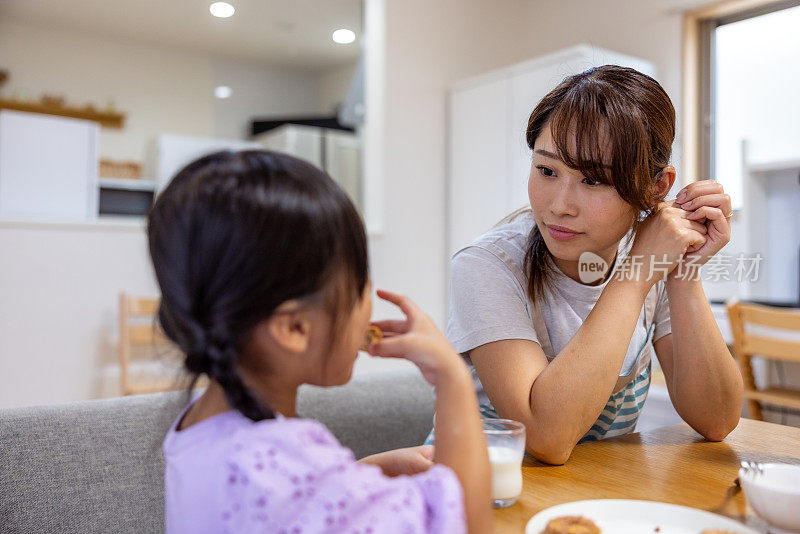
[142, 341]
[748, 344]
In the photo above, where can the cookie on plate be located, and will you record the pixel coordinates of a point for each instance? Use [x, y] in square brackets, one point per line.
[571, 524]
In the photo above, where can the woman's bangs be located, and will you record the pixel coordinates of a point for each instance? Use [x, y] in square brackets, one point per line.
[581, 135]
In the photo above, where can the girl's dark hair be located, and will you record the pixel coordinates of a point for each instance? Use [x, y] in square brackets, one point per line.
[234, 235]
[608, 107]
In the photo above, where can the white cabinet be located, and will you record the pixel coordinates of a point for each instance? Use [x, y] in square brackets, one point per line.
[343, 162]
[337, 152]
[48, 167]
[169, 153]
[488, 159]
[299, 141]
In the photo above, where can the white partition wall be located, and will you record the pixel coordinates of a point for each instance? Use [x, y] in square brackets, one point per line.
[488, 158]
[479, 164]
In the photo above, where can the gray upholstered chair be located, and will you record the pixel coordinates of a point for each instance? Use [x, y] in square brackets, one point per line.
[97, 466]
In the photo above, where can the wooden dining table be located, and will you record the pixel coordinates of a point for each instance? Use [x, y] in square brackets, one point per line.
[672, 464]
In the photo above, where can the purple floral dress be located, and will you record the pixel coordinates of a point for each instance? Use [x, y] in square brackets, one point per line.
[291, 476]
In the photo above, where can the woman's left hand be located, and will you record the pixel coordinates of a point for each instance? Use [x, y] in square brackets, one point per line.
[407, 461]
[709, 205]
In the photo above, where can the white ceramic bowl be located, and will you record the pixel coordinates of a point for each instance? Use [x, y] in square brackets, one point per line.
[774, 494]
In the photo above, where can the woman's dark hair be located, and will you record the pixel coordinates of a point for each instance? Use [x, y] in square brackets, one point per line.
[605, 108]
[234, 235]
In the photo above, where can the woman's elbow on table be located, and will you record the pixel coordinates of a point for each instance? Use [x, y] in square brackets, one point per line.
[551, 444]
[552, 454]
[716, 427]
[718, 432]
[714, 435]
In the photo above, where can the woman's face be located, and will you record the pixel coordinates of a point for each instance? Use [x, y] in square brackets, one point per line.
[574, 214]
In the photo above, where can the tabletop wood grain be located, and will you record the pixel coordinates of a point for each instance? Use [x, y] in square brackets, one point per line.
[672, 464]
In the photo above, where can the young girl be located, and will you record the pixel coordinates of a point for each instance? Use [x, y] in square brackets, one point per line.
[569, 355]
[262, 264]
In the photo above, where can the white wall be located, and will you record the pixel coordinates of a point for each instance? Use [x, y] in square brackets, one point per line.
[429, 45]
[59, 307]
[642, 29]
[414, 50]
[333, 86]
[160, 89]
[426, 46]
[260, 92]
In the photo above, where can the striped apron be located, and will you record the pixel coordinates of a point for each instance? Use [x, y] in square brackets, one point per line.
[622, 410]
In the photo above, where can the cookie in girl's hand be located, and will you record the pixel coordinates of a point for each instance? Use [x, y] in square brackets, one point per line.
[372, 335]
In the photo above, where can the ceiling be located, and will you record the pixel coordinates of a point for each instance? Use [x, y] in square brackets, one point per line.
[290, 33]
[680, 6]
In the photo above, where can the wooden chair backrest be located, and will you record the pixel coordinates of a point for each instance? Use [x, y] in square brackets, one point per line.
[139, 333]
[748, 344]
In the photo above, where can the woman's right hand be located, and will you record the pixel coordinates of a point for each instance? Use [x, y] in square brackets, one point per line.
[416, 339]
[664, 238]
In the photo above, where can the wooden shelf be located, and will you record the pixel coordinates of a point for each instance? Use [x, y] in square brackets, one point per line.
[106, 119]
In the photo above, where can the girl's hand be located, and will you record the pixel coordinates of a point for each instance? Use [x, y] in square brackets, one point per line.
[407, 461]
[664, 237]
[416, 339]
[707, 204]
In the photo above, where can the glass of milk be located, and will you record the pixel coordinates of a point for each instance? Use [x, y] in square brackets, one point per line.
[506, 441]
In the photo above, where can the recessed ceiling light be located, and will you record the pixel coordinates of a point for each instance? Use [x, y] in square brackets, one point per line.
[222, 10]
[223, 91]
[344, 36]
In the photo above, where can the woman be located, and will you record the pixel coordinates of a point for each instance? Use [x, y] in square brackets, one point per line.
[568, 357]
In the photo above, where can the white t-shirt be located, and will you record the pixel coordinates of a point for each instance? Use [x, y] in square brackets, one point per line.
[489, 303]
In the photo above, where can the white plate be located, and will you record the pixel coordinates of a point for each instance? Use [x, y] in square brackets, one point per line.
[618, 516]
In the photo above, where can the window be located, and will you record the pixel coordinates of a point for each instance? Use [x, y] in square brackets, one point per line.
[754, 83]
[740, 117]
